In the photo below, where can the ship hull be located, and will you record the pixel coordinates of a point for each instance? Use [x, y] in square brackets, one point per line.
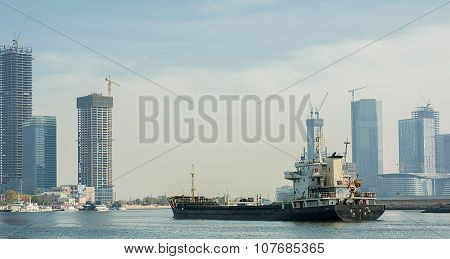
[277, 213]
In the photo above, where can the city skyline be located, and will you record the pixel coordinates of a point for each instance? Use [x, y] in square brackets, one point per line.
[65, 72]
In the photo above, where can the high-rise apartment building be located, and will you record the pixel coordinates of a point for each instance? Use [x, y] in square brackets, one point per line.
[15, 109]
[95, 144]
[417, 145]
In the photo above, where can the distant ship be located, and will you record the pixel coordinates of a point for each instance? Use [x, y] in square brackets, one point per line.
[324, 190]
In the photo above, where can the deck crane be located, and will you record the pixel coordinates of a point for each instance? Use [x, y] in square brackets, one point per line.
[109, 85]
[354, 90]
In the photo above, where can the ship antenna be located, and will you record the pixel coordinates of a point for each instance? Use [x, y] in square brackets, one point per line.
[193, 182]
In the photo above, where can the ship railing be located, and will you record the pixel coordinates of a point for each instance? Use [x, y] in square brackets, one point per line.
[322, 195]
[327, 195]
[365, 194]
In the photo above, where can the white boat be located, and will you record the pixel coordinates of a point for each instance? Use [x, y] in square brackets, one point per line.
[101, 207]
[70, 208]
[17, 206]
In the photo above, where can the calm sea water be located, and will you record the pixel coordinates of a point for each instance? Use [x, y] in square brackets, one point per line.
[160, 224]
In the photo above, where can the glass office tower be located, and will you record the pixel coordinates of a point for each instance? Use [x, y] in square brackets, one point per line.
[367, 141]
[39, 154]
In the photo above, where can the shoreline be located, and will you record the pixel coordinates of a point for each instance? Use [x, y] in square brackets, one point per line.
[146, 207]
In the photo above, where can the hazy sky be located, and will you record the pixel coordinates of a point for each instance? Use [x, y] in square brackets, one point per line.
[229, 47]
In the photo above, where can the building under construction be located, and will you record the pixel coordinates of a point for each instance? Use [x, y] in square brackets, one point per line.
[427, 112]
[15, 109]
[95, 144]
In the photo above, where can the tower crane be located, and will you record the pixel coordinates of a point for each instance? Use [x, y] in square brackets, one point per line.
[316, 110]
[427, 101]
[354, 90]
[321, 105]
[311, 112]
[109, 85]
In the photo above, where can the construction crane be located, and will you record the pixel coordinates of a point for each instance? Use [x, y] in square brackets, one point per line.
[17, 36]
[316, 110]
[427, 101]
[311, 112]
[109, 85]
[354, 90]
[320, 107]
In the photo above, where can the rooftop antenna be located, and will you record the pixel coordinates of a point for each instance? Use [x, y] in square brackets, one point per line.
[354, 90]
[193, 182]
[109, 84]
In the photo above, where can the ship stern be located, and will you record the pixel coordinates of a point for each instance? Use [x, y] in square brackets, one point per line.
[359, 212]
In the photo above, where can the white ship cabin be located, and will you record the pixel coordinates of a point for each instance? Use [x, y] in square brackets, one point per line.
[324, 182]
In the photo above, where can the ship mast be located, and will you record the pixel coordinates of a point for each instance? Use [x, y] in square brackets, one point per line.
[346, 149]
[193, 183]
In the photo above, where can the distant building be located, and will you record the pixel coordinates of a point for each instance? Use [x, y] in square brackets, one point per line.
[284, 193]
[39, 153]
[429, 113]
[68, 195]
[398, 184]
[409, 185]
[314, 128]
[15, 109]
[95, 144]
[443, 153]
[417, 146]
[367, 141]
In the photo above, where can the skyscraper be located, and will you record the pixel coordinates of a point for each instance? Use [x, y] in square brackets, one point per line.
[314, 128]
[427, 112]
[39, 154]
[367, 141]
[443, 153]
[15, 109]
[95, 144]
[417, 145]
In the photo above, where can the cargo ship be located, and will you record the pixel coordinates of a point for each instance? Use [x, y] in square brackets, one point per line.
[324, 189]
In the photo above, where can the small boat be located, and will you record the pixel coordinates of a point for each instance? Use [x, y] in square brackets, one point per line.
[5, 209]
[88, 207]
[101, 207]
